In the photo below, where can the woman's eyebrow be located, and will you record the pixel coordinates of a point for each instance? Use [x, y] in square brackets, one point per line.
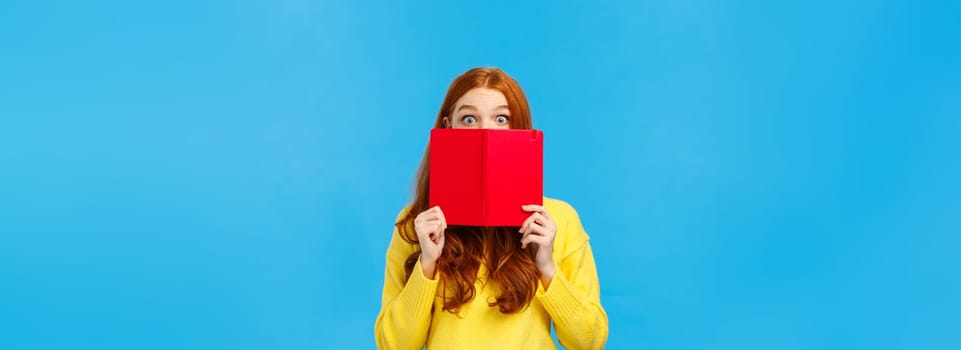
[466, 107]
[503, 107]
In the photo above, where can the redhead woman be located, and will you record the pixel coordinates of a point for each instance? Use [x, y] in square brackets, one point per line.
[463, 287]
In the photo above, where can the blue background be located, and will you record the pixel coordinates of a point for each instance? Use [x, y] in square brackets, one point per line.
[225, 174]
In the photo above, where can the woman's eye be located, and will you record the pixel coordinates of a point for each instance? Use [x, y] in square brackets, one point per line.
[469, 119]
[502, 119]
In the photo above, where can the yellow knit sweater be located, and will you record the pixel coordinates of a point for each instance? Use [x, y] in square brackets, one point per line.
[412, 315]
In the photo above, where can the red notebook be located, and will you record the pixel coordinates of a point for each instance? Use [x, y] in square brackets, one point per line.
[482, 177]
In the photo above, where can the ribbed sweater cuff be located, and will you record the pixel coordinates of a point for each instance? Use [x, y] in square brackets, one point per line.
[559, 299]
[419, 293]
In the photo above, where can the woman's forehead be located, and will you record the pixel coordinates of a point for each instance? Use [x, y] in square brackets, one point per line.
[482, 97]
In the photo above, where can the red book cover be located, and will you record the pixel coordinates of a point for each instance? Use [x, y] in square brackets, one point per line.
[482, 177]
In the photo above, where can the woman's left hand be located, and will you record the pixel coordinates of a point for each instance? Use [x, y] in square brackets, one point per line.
[539, 229]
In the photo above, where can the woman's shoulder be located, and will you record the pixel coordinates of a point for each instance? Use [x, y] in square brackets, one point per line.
[403, 213]
[570, 233]
[559, 208]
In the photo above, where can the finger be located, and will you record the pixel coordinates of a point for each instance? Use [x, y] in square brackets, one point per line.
[530, 226]
[539, 219]
[537, 208]
[441, 232]
[527, 222]
[442, 218]
[538, 230]
[426, 216]
[428, 232]
[532, 207]
[435, 214]
[438, 232]
[526, 230]
[538, 241]
[424, 226]
[440, 213]
[430, 221]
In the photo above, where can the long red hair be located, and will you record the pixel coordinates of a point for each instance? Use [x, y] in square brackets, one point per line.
[466, 248]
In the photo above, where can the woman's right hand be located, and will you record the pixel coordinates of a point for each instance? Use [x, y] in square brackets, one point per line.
[430, 225]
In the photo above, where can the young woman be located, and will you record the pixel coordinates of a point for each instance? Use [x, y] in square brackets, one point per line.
[488, 287]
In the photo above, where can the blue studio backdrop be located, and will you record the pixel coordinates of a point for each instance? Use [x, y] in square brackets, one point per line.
[225, 174]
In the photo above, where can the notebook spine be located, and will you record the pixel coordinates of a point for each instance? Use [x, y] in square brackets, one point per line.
[485, 177]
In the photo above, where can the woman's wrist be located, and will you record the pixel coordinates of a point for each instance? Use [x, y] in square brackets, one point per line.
[428, 266]
[547, 274]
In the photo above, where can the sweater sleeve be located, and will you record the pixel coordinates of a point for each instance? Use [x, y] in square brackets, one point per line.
[573, 298]
[406, 304]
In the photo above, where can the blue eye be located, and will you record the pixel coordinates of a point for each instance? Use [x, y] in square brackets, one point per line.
[469, 119]
[502, 119]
